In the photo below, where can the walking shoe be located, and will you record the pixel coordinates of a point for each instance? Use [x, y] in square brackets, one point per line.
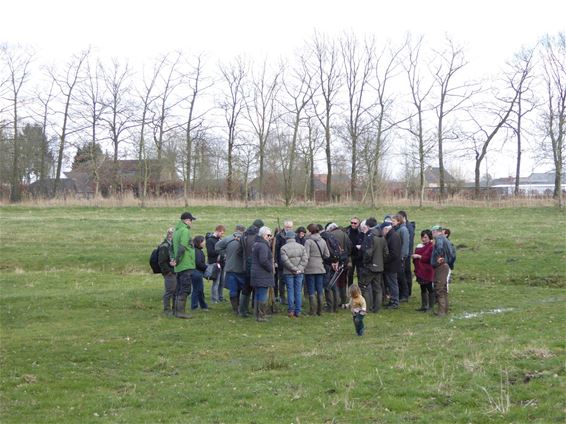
[392, 306]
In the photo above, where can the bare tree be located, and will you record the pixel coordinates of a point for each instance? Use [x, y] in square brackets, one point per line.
[232, 103]
[45, 113]
[299, 89]
[17, 62]
[165, 104]
[451, 96]
[146, 98]
[419, 91]
[496, 115]
[260, 109]
[358, 68]
[67, 82]
[327, 68]
[119, 115]
[194, 120]
[90, 99]
[374, 143]
[307, 148]
[554, 76]
[520, 79]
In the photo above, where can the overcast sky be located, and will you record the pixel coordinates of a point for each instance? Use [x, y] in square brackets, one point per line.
[490, 30]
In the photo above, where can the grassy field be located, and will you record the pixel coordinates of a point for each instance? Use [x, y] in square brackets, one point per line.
[83, 338]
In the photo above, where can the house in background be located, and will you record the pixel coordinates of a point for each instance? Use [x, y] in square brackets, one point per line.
[536, 184]
[111, 177]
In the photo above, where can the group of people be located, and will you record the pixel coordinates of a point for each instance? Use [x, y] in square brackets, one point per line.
[318, 262]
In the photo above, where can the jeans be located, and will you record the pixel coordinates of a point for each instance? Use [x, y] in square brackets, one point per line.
[359, 323]
[214, 294]
[260, 294]
[315, 282]
[401, 283]
[235, 282]
[197, 296]
[391, 281]
[294, 283]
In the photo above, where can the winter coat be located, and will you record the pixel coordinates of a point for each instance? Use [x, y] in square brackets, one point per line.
[210, 248]
[232, 248]
[293, 257]
[248, 241]
[393, 260]
[443, 248]
[183, 250]
[164, 257]
[315, 263]
[344, 241]
[356, 237]
[423, 269]
[200, 261]
[405, 240]
[375, 253]
[262, 264]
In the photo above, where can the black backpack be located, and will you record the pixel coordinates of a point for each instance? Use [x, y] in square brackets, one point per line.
[337, 254]
[154, 261]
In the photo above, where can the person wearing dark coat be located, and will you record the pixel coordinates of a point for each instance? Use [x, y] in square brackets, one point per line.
[217, 286]
[247, 241]
[392, 263]
[197, 295]
[356, 238]
[164, 255]
[261, 272]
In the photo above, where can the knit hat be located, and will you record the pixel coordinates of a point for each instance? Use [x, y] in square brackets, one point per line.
[258, 223]
[436, 228]
[289, 235]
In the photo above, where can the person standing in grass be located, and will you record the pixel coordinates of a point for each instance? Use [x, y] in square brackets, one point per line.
[214, 257]
[401, 229]
[424, 272]
[358, 307]
[261, 273]
[197, 296]
[166, 267]
[293, 259]
[184, 254]
[279, 243]
[440, 259]
[317, 252]
[231, 248]
[392, 263]
[374, 252]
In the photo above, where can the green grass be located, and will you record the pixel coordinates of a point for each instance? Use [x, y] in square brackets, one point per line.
[82, 338]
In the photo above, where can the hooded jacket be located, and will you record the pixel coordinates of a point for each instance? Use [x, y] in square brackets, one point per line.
[183, 251]
[262, 264]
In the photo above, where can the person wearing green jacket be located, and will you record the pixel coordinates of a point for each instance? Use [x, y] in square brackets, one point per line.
[184, 261]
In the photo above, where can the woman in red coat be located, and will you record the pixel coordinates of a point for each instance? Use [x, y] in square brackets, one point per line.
[424, 270]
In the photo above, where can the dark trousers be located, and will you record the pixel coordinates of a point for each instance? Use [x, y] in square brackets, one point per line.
[184, 283]
[402, 283]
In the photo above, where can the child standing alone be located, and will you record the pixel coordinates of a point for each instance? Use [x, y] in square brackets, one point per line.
[358, 307]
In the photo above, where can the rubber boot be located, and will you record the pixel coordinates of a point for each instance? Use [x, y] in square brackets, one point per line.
[243, 310]
[424, 302]
[431, 300]
[260, 311]
[180, 308]
[311, 305]
[319, 305]
[234, 302]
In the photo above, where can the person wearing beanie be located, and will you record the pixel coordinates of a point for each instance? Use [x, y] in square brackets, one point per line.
[293, 261]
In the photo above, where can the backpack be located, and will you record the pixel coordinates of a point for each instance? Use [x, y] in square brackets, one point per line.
[336, 251]
[154, 261]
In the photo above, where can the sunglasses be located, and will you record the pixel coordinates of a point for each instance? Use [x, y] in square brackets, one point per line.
[354, 223]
